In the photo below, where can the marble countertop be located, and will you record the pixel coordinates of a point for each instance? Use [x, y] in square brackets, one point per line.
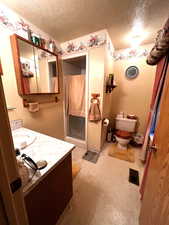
[43, 147]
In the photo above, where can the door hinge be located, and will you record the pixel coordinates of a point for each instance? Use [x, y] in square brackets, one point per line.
[16, 184]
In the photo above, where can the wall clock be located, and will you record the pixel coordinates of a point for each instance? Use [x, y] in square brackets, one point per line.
[132, 72]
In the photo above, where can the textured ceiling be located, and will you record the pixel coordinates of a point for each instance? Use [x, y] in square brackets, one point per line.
[69, 19]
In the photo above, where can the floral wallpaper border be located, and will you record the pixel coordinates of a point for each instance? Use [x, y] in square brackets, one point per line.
[14, 24]
[84, 43]
[11, 23]
[80, 45]
[130, 53]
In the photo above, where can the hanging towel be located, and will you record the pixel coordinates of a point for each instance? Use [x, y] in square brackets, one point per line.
[75, 95]
[94, 111]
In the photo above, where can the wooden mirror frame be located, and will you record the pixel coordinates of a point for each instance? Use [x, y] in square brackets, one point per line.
[1, 72]
[18, 71]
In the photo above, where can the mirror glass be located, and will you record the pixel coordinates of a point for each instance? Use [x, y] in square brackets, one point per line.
[39, 71]
[28, 71]
[47, 71]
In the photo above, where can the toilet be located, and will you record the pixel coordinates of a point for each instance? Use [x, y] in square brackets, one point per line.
[124, 130]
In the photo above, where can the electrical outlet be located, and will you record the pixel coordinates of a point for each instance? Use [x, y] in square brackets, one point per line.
[16, 124]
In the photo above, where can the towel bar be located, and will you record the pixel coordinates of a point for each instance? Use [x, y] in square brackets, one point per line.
[26, 102]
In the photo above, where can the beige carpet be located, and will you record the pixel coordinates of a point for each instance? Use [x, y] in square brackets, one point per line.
[127, 155]
[75, 169]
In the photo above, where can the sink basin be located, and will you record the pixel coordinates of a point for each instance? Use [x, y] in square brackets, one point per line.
[21, 141]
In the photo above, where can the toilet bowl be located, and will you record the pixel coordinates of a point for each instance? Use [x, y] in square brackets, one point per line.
[124, 129]
[122, 143]
[123, 138]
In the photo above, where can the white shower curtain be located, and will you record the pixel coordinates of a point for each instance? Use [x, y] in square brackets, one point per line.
[75, 95]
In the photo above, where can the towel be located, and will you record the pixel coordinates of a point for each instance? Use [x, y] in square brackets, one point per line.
[75, 95]
[94, 111]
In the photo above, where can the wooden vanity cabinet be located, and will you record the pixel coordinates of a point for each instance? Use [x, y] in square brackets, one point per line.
[46, 202]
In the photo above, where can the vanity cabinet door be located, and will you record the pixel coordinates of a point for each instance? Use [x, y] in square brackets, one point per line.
[46, 202]
[28, 68]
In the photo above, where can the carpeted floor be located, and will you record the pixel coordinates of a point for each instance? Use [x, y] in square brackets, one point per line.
[102, 193]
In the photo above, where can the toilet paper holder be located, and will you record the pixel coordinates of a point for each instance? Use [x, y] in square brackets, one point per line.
[105, 122]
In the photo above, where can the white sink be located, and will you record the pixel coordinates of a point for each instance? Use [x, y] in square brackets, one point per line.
[22, 140]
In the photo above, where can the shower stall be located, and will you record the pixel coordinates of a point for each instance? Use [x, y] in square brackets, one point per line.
[75, 98]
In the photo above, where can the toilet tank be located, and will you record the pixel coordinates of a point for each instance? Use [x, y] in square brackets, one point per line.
[125, 124]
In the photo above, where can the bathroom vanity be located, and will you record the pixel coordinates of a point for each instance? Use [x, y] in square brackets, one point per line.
[50, 189]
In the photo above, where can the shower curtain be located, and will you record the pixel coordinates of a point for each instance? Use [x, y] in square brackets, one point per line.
[75, 95]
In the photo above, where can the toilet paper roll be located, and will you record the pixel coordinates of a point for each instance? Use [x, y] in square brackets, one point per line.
[105, 122]
[33, 107]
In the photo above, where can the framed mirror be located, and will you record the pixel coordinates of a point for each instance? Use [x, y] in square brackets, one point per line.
[36, 68]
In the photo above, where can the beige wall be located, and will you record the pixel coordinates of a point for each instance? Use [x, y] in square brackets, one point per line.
[49, 120]
[96, 82]
[100, 65]
[133, 96]
[107, 97]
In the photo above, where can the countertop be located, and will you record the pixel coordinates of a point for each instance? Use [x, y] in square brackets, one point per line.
[43, 148]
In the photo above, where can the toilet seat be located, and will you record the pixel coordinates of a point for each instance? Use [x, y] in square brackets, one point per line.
[123, 134]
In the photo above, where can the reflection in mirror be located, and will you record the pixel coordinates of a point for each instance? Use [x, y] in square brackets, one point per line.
[47, 72]
[28, 69]
[53, 73]
[39, 72]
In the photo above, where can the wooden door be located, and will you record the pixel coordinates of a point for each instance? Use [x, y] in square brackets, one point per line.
[13, 201]
[3, 216]
[155, 204]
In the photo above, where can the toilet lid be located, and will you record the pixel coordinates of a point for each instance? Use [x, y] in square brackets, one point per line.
[123, 134]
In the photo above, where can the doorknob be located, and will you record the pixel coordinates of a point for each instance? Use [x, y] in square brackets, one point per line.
[154, 148]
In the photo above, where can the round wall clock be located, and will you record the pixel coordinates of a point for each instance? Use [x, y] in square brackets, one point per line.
[132, 72]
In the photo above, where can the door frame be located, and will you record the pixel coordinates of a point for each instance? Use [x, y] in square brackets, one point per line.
[13, 202]
[75, 141]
